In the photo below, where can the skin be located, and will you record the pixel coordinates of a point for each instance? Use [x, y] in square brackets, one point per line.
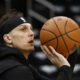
[55, 58]
[20, 38]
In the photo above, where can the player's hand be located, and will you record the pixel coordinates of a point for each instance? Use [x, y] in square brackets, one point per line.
[55, 58]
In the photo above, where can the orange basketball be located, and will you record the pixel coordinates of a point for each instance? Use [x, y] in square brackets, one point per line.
[62, 33]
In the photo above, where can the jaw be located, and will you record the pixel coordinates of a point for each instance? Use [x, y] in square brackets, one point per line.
[28, 49]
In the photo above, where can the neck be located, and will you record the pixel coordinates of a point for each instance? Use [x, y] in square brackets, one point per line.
[26, 54]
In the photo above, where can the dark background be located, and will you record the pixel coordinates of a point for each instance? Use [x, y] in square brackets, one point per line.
[37, 12]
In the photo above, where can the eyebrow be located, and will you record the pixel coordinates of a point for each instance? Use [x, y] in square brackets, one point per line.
[21, 26]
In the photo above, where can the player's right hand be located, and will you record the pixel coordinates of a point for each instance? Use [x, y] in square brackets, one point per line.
[55, 57]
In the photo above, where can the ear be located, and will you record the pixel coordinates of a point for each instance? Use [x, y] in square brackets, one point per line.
[7, 38]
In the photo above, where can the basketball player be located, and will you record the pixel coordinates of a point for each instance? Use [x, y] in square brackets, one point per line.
[17, 43]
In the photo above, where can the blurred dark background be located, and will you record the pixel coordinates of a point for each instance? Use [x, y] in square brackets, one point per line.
[37, 12]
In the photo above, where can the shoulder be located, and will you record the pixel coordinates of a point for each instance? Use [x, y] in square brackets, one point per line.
[19, 73]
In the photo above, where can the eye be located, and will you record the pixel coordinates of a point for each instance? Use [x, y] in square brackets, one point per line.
[23, 29]
[31, 28]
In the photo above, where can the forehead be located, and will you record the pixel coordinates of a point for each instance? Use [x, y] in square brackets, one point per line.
[28, 25]
[24, 24]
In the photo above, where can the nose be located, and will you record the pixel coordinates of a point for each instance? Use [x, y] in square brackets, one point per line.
[31, 33]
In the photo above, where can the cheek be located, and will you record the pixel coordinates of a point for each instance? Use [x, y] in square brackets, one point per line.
[19, 40]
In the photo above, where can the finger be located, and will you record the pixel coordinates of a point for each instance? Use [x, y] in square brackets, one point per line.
[51, 58]
[53, 51]
[46, 51]
[43, 49]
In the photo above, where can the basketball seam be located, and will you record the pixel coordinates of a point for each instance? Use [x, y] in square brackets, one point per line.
[61, 34]
[70, 37]
[55, 37]
[51, 39]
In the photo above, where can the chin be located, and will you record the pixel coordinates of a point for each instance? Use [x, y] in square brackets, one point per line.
[30, 49]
